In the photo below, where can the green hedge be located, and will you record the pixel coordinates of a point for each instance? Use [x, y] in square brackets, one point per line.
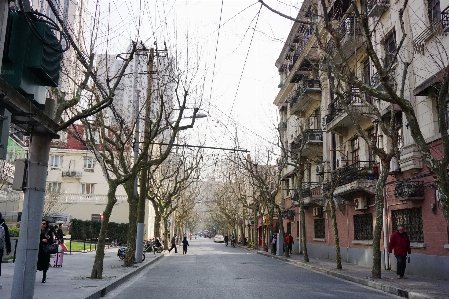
[86, 229]
[13, 231]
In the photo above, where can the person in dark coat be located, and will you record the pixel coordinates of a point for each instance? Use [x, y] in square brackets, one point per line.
[173, 244]
[43, 259]
[273, 242]
[6, 243]
[185, 243]
[226, 239]
[400, 243]
[60, 234]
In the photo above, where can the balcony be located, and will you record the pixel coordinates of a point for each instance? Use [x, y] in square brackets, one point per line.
[409, 191]
[358, 176]
[349, 33]
[337, 119]
[91, 198]
[282, 126]
[376, 8]
[288, 214]
[72, 174]
[305, 97]
[438, 27]
[312, 194]
[375, 81]
[313, 143]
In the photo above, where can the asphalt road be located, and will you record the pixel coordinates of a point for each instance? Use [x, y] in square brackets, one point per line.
[212, 270]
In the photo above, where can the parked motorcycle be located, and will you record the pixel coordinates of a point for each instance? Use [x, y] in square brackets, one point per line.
[122, 252]
[155, 245]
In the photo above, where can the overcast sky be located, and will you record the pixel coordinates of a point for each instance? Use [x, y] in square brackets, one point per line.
[237, 60]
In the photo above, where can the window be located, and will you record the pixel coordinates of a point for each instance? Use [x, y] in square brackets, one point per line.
[354, 150]
[89, 164]
[412, 221]
[390, 49]
[319, 228]
[363, 227]
[434, 11]
[398, 128]
[372, 135]
[54, 187]
[87, 188]
[366, 75]
[55, 162]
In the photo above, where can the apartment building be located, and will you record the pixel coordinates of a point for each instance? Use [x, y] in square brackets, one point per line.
[314, 104]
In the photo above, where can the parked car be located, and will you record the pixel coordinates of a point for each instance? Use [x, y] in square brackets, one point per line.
[219, 239]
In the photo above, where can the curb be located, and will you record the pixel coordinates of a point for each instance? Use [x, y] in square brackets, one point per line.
[362, 281]
[117, 282]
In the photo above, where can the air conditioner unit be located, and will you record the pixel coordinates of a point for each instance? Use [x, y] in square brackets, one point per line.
[361, 203]
[394, 165]
[317, 211]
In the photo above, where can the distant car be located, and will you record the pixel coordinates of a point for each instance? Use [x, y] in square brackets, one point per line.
[219, 239]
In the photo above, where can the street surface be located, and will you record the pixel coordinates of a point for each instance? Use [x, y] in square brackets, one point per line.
[212, 270]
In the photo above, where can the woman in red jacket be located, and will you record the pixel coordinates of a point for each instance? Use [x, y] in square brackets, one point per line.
[400, 243]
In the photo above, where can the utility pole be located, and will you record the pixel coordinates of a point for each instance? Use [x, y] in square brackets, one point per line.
[144, 172]
[33, 205]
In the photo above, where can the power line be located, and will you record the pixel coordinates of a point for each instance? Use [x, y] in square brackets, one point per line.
[200, 146]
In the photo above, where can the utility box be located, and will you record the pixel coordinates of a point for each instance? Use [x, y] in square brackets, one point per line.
[5, 121]
[28, 64]
[20, 172]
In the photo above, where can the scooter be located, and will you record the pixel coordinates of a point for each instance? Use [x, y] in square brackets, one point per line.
[122, 252]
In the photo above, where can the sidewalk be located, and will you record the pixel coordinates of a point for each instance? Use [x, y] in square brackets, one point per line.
[412, 287]
[71, 281]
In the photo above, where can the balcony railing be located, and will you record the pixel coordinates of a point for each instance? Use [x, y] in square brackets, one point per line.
[377, 7]
[360, 170]
[72, 174]
[409, 190]
[348, 26]
[93, 198]
[306, 85]
[336, 107]
[313, 136]
[282, 126]
[311, 189]
[436, 28]
[288, 214]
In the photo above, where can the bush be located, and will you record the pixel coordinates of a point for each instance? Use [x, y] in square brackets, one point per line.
[13, 231]
[87, 229]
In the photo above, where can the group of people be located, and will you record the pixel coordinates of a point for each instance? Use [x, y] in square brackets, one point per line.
[288, 241]
[185, 243]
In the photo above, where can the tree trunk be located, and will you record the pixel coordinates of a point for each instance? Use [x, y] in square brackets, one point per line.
[133, 200]
[157, 221]
[302, 216]
[97, 268]
[379, 204]
[335, 229]
[255, 232]
[165, 232]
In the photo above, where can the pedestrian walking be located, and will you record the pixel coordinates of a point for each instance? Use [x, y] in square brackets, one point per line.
[173, 244]
[273, 243]
[5, 242]
[43, 259]
[289, 241]
[226, 239]
[60, 234]
[400, 244]
[185, 243]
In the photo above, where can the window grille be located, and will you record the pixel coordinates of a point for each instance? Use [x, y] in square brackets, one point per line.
[412, 221]
[363, 227]
[319, 228]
